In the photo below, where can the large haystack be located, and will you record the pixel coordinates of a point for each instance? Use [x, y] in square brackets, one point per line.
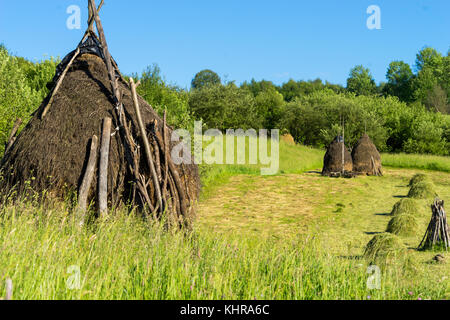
[332, 162]
[51, 153]
[366, 158]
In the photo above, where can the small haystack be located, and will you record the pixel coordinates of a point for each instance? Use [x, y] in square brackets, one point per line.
[337, 160]
[405, 206]
[417, 178]
[403, 225]
[288, 139]
[92, 103]
[383, 248]
[366, 158]
[422, 190]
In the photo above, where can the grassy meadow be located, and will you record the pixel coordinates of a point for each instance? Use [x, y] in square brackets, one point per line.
[296, 235]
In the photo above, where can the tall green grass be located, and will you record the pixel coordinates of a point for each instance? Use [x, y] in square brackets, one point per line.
[294, 159]
[125, 257]
[417, 161]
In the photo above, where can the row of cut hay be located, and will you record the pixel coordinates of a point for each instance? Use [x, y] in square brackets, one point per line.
[404, 222]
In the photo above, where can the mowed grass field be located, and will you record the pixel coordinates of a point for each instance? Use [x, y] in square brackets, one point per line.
[296, 235]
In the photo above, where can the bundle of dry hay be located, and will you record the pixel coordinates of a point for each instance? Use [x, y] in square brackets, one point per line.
[288, 138]
[422, 190]
[406, 206]
[417, 178]
[366, 158]
[55, 150]
[403, 225]
[338, 159]
[383, 248]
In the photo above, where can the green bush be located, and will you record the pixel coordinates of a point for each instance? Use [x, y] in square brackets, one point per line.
[22, 88]
[161, 96]
[316, 119]
[225, 107]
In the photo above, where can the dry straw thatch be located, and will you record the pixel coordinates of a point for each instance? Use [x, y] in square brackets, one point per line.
[366, 158]
[332, 162]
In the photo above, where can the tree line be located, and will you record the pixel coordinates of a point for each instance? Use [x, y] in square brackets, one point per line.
[407, 113]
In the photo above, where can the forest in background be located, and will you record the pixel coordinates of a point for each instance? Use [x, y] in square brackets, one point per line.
[407, 113]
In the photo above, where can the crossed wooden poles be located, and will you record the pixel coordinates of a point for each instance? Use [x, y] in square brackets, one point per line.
[437, 232]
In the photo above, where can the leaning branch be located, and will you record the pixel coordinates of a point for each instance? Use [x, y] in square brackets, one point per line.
[58, 84]
[146, 146]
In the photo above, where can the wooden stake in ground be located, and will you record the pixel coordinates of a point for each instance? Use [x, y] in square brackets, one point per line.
[88, 175]
[103, 167]
[437, 233]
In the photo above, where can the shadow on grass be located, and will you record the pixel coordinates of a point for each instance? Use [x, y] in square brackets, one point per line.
[383, 214]
[313, 171]
[352, 257]
[372, 233]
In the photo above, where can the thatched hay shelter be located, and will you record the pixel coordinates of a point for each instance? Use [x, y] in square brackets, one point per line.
[332, 162]
[366, 158]
[51, 154]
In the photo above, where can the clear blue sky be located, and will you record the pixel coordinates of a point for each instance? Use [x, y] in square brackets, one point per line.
[239, 39]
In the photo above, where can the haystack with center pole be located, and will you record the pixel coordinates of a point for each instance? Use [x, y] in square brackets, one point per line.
[366, 158]
[337, 160]
[94, 135]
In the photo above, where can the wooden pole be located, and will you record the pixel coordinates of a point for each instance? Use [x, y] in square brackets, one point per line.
[58, 84]
[90, 21]
[88, 175]
[107, 55]
[166, 155]
[146, 146]
[103, 167]
[9, 289]
[12, 136]
[176, 178]
[91, 16]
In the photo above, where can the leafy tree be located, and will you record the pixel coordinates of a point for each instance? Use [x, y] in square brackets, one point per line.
[437, 100]
[269, 103]
[205, 78]
[361, 82]
[294, 89]
[400, 77]
[428, 57]
[432, 83]
[162, 96]
[256, 87]
[225, 107]
[17, 98]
